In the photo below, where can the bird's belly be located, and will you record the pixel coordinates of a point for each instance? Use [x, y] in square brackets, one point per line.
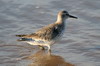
[42, 43]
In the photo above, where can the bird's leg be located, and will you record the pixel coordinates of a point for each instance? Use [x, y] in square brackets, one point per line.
[49, 52]
[49, 49]
[41, 47]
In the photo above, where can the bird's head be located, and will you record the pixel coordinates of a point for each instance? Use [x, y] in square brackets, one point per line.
[64, 15]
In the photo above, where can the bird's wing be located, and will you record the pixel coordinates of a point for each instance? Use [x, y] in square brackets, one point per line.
[46, 33]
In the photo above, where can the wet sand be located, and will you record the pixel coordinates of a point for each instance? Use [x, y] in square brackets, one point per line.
[80, 45]
[43, 58]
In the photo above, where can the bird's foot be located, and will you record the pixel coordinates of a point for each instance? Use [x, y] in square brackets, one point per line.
[41, 47]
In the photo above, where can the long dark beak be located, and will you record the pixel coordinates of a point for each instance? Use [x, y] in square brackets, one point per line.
[72, 16]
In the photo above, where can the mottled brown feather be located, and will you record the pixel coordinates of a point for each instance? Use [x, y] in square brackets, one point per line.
[46, 33]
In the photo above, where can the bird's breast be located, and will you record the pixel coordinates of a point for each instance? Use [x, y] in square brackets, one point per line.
[60, 32]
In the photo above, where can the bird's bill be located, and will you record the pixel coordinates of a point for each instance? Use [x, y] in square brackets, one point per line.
[73, 17]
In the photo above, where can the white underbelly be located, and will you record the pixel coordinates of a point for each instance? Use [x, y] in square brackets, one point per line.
[42, 43]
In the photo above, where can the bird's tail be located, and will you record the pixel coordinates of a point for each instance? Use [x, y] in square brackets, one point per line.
[24, 39]
[21, 35]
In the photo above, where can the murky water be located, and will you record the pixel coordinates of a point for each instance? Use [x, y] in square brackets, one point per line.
[80, 45]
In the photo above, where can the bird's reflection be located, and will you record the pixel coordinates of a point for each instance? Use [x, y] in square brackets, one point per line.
[43, 58]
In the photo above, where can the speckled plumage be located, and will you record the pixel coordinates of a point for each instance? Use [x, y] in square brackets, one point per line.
[49, 34]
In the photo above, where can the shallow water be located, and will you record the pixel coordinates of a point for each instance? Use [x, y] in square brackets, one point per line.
[81, 42]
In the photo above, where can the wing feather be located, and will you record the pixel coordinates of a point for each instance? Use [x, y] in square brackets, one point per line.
[47, 33]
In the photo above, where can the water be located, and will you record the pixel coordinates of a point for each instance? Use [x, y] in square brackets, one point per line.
[81, 42]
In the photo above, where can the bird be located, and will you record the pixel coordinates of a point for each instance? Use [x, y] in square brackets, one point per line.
[48, 35]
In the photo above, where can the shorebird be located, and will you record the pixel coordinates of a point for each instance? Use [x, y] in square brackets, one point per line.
[49, 34]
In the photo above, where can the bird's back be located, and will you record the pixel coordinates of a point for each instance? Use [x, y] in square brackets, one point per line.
[48, 33]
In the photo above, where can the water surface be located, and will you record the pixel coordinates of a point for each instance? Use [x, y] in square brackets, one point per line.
[80, 45]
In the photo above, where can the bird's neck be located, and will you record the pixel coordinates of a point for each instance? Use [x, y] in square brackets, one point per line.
[60, 20]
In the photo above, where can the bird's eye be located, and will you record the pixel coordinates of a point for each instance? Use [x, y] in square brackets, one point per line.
[66, 14]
